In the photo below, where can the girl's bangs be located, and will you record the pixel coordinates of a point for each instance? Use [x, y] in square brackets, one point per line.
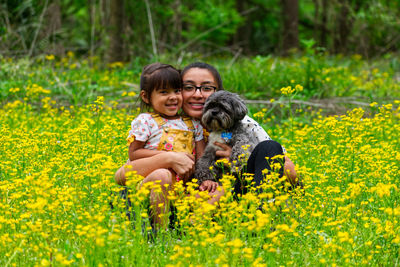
[164, 79]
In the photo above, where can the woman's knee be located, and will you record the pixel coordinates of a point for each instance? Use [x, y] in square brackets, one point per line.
[262, 158]
[269, 148]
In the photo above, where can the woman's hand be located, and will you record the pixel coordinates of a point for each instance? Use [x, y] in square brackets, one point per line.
[290, 171]
[225, 153]
[208, 185]
[182, 163]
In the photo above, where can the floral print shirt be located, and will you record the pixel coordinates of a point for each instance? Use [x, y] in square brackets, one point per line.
[144, 128]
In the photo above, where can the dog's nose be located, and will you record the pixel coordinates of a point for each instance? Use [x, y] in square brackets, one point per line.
[214, 112]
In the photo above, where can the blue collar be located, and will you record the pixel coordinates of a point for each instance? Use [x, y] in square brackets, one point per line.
[226, 136]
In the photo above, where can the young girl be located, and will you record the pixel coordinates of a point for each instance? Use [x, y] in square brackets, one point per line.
[162, 130]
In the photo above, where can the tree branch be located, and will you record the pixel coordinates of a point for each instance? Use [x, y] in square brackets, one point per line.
[38, 29]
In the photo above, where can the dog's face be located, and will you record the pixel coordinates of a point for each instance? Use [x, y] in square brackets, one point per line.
[222, 110]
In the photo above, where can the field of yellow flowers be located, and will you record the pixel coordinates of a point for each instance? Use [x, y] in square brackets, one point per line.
[59, 155]
[56, 185]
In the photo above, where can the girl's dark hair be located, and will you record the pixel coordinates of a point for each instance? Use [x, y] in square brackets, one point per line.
[158, 76]
[202, 65]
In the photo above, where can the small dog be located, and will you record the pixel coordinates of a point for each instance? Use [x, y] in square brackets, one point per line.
[222, 116]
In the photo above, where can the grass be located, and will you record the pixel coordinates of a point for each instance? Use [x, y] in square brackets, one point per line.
[56, 183]
[79, 81]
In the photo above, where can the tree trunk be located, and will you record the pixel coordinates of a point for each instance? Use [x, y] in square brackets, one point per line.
[52, 24]
[324, 21]
[242, 37]
[176, 36]
[316, 19]
[290, 31]
[104, 12]
[343, 27]
[92, 23]
[115, 31]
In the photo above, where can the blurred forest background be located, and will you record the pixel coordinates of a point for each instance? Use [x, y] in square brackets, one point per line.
[123, 30]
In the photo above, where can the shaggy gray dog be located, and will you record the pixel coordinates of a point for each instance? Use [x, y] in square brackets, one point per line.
[222, 116]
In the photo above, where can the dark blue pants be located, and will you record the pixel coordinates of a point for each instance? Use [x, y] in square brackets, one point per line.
[258, 162]
[124, 195]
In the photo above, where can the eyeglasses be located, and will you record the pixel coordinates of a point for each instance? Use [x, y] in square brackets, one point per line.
[190, 88]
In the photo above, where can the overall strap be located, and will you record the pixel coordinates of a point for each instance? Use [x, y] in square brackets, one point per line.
[188, 121]
[160, 122]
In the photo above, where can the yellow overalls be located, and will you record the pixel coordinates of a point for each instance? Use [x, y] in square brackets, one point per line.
[176, 140]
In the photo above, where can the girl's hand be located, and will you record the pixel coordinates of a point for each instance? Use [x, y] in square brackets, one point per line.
[208, 185]
[182, 163]
[225, 153]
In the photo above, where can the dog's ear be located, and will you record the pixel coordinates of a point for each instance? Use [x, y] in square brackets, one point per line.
[239, 107]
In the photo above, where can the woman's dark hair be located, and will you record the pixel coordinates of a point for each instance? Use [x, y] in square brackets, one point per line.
[158, 76]
[202, 65]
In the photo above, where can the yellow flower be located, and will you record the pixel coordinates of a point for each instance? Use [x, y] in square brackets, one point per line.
[14, 90]
[236, 243]
[287, 90]
[298, 88]
[44, 262]
[373, 104]
[100, 100]
[116, 64]
[50, 57]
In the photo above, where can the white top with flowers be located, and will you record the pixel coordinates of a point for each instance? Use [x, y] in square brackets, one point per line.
[252, 126]
[144, 128]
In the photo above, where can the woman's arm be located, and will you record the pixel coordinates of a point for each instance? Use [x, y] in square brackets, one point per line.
[199, 146]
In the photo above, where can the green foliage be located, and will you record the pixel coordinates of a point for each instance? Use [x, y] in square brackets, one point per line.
[321, 76]
[376, 26]
[210, 20]
[28, 27]
[70, 81]
[75, 81]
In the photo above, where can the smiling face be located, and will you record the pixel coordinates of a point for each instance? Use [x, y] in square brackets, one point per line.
[193, 102]
[165, 102]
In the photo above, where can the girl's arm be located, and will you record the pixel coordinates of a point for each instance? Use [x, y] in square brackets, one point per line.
[182, 163]
[136, 151]
[225, 152]
[199, 146]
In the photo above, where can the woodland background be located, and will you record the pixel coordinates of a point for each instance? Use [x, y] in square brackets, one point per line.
[125, 30]
[322, 77]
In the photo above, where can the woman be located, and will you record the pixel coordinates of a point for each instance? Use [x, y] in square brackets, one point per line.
[198, 78]
[201, 75]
